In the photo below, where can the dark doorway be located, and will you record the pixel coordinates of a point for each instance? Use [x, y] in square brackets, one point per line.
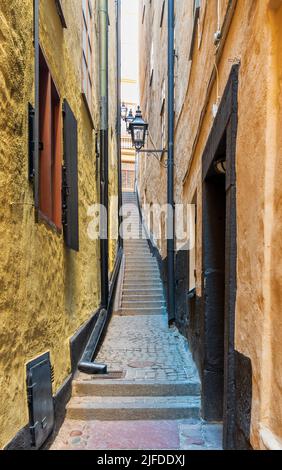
[219, 270]
[214, 229]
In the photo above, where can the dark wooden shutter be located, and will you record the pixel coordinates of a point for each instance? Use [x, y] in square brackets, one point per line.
[70, 180]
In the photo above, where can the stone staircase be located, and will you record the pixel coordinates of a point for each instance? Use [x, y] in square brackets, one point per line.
[142, 292]
[151, 372]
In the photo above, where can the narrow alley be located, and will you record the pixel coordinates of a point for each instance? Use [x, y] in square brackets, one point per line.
[150, 398]
[140, 227]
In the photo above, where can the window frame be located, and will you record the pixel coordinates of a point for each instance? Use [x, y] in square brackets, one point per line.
[51, 155]
[60, 11]
[196, 16]
[162, 14]
[87, 56]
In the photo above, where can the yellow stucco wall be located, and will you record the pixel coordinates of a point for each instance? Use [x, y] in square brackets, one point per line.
[47, 291]
[255, 40]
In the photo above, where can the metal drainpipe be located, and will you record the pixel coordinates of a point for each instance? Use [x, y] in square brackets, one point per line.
[86, 365]
[170, 170]
[118, 53]
[104, 140]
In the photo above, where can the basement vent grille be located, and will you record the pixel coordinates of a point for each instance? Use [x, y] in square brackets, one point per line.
[40, 399]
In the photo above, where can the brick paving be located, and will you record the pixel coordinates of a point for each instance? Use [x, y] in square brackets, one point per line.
[138, 435]
[148, 339]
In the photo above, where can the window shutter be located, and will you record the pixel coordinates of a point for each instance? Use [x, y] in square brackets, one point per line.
[70, 180]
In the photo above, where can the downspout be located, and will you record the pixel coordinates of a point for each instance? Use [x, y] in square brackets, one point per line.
[118, 129]
[104, 142]
[170, 169]
[86, 365]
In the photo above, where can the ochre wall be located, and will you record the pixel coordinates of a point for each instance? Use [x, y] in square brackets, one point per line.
[254, 39]
[47, 291]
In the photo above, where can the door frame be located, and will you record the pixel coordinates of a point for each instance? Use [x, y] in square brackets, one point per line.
[225, 121]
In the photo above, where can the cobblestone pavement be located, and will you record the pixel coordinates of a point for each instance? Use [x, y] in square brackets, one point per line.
[146, 341]
[139, 435]
[147, 350]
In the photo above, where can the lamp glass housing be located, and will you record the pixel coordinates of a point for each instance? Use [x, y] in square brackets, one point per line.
[138, 128]
[129, 120]
[123, 112]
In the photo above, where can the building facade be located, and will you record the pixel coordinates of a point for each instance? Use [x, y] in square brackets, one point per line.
[228, 150]
[49, 266]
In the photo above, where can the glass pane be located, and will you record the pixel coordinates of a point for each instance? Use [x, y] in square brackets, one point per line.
[139, 134]
[89, 91]
[84, 41]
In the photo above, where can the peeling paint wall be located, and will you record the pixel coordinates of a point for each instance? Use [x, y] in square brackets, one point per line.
[254, 40]
[47, 291]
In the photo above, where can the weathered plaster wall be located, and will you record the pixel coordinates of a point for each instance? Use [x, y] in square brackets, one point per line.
[47, 292]
[253, 39]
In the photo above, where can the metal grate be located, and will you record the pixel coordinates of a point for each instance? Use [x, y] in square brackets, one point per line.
[40, 399]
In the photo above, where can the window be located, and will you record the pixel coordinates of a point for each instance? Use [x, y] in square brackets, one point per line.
[61, 13]
[196, 6]
[87, 52]
[196, 14]
[162, 14]
[163, 116]
[152, 64]
[143, 15]
[50, 165]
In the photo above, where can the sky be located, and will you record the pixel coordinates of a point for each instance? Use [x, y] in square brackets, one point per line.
[130, 41]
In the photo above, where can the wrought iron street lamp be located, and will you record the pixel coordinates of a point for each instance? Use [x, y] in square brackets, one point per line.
[138, 129]
[123, 112]
[129, 120]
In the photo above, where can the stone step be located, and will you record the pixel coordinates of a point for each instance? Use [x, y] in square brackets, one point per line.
[142, 292]
[137, 248]
[134, 250]
[145, 276]
[148, 259]
[138, 254]
[146, 269]
[137, 237]
[146, 297]
[142, 283]
[133, 408]
[140, 266]
[142, 311]
[141, 286]
[85, 386]
[130, 242]
[133, 304]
